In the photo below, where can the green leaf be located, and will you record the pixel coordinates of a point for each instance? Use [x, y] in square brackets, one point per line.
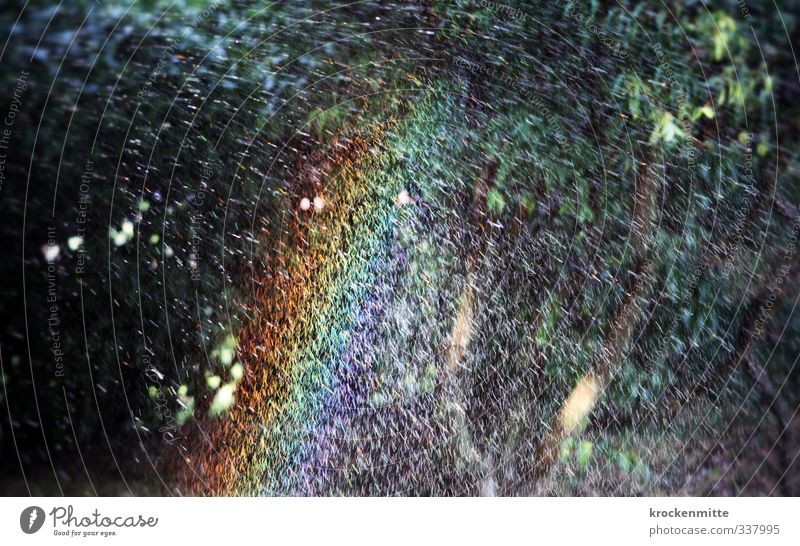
[495, 202]
[584, 453]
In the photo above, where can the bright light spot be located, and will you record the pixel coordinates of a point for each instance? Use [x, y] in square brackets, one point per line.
[226, 356]
[223, 399]
[319, 203]
[75, 242]
[51, 252]
[305, 203]
[127, 229]
[403, 198]
[213, 381]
